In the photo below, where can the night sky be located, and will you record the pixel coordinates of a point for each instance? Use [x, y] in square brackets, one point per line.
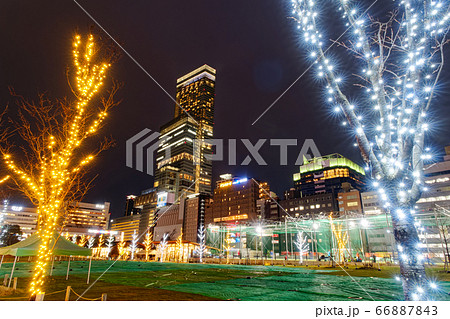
[252, 44]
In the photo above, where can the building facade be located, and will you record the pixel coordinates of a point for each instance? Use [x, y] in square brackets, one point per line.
[126, 226]
[326, 174]
[25, 217]
[182, 162]
[85, 217]
[313, 205]
[80, 219]
[195, 209]
[349, 202]
[235, 200]
[170, 222]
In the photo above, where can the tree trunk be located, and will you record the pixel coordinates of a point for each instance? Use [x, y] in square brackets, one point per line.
[45, 231]
[412, 268]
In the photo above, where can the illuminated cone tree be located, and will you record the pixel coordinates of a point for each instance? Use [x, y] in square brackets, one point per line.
[148, 244]
[400, 60]
[110, 243]
[50, 166]
[201, 249]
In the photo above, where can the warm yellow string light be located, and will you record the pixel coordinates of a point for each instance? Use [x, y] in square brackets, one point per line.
[148, 244]
[179, 245]
[341, 239]
[121, 247]
[50, 186]
[4, 179]
[83, 241]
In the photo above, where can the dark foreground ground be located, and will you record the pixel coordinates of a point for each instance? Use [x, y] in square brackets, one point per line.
[128, 280]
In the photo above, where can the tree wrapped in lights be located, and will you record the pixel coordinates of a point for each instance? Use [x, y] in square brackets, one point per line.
[148, 244]
[163, 247]
[51, 165]
[74, 239]
[301, 242]
[121, 246]
[341, 238]
[91, 241]
[83, 241]
[201, 250]
[180, 246]
[101, 241]
[110, 243]
[4, 179]
[402, 59]
[133, 246]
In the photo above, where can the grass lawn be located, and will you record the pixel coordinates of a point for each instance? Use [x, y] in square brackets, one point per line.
[127, 280]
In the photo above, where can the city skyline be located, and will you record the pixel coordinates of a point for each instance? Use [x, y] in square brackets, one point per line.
[257, 58]
[239, 150]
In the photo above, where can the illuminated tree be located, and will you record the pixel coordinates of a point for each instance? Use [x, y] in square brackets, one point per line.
[101, 241]
[133, 245]
[401, 60]
[4, 179]
[341, 238]
[91, 241]
[83, 241]
[148, 244]
[50, 165]
[202, 243]
[110, 243]
[180, 247]
[121, 246]
[4, 132]
[302, 245]
[74, 239]
[163, 247]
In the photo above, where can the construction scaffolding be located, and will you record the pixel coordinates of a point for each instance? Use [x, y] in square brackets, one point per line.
[356, 238]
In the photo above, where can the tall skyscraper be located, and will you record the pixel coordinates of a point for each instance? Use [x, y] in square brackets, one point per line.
[184, 168]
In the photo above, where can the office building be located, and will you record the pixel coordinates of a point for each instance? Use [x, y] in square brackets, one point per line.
[14, 214]
[349, 201]
[313, 205]
[85, 217]
[141, 216]
[437, 181]
[181, 164]
[126, 226]
[371, 203]
[170, 222]
[326, 174]
[80, 219]
[194, 215]
[235, 200]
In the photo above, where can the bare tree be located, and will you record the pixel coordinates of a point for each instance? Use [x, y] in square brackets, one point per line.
[49, 157]
[402, 59]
